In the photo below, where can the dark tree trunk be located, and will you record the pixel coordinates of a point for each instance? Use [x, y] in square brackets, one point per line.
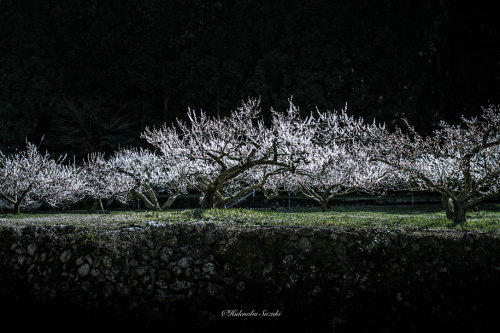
[17, 208]
[151, 202]
[324, 206]
[455, 210]
[460, 211]
[167, 204]
[208, 200]
[94, 206]
[448, 206]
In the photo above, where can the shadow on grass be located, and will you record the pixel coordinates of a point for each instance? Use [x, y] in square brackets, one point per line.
[197, 213]
[390, 209]
[396, 209]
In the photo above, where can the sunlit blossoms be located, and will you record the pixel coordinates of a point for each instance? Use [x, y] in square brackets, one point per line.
[333, 171]
[29, 178]
[461, 162]
[323, 155]
[219, 151]
[134, 173]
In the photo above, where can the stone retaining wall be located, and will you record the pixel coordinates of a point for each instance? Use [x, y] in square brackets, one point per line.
[251, 278]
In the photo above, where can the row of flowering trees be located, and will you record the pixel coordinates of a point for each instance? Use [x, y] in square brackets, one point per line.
[324, 155]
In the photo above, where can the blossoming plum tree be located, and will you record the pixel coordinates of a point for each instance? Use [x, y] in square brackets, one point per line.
[220, 150]
[28, 178]
[336, 170]
[137, 173]
[324, 155]
[461, 162]
[337, 161]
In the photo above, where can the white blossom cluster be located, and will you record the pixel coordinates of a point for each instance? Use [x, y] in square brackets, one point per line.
[461, 162]
[323, 155]
[29, 178]
[133, 173]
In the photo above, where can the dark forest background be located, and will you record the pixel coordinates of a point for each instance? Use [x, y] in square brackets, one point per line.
[89, 75]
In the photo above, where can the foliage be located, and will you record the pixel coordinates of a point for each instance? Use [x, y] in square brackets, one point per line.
[426, 60]
[89, 124]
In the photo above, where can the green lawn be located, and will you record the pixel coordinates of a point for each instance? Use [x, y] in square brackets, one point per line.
[402, 217]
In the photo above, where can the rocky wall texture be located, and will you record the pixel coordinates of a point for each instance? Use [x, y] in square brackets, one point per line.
[250, 278]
